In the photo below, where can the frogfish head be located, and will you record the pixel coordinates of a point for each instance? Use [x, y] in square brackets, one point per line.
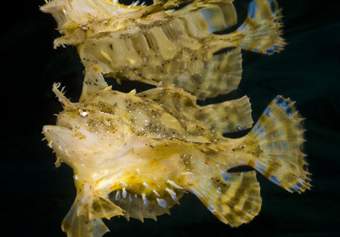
[83, 137]
[72, 14]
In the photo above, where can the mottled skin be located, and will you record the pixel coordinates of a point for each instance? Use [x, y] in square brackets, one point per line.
[132, 156]
[164, 44]
[136, 154]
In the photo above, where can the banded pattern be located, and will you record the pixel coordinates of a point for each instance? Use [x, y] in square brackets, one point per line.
[278, 136]
[221, 75]
[233, 197]
[175, 51]
[229, 116]
[262, 28]
[161, 43]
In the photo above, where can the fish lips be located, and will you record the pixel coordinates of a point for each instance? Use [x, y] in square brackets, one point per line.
[59, 138]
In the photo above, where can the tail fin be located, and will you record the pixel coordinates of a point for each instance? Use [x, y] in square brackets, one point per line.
[262, 28]
[278, 138]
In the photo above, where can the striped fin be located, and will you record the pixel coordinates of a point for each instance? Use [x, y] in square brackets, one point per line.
[225, 117]
[220, 75]
[278, 138]
[234, 198]
[262, 28]
[203, 20]
[173, 99]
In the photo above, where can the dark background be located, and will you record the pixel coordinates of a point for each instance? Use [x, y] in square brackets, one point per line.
[35, 196]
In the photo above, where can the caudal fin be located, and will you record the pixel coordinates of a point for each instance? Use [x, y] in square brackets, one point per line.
[262, 28]
[277, 139]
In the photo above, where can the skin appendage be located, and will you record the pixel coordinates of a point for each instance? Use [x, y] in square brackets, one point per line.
[136, 154]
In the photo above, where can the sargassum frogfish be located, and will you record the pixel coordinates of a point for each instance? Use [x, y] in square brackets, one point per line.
[175, 42]
[136, 154]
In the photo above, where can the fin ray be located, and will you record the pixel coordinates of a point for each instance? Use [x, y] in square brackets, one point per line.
[225, 117]
[262, 28]
[220, 75]
[278, 138]
[234, 200]
[77, 223]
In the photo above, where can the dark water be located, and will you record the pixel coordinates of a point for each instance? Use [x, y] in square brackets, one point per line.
[35, 195]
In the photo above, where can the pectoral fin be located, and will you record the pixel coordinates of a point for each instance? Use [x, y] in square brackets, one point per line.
[93, 81]
[77, 223]
[234, 198]
[84, 217]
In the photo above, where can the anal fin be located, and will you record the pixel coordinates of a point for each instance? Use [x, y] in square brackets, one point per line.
[234, 198]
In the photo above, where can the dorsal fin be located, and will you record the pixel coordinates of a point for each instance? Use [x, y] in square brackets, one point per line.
[229, 116]
[234, 198]
[225, 117]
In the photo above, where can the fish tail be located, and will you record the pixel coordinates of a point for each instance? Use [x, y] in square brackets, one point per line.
[262, 28]
[276, 143]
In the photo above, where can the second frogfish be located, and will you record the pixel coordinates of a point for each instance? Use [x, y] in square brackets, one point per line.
[136, 154]
[170, 42]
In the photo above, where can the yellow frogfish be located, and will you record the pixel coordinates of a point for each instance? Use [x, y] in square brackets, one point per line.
[136, 154]
[174, 42]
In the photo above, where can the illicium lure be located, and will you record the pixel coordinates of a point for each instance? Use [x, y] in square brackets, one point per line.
[136, 154]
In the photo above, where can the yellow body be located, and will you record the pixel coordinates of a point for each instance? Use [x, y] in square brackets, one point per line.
[165, 43]
[136, 154]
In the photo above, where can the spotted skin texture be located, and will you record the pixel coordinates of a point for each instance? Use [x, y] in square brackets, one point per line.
[168, 43]
[135, 155]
